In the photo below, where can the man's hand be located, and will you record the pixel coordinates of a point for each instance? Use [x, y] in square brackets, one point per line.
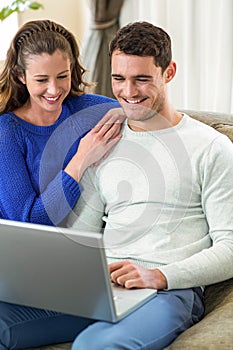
[130, 275]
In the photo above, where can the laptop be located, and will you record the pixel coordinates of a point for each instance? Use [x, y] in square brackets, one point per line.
[62, 269]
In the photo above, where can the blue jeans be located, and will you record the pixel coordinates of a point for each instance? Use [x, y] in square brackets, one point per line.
[153, 326]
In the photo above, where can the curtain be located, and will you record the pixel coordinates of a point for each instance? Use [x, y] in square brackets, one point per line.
[103, 26]
[202, 40]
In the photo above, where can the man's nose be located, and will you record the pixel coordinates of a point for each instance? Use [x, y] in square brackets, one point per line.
[130, 89]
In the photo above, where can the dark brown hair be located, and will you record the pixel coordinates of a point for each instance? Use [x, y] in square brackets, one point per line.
[143, 39]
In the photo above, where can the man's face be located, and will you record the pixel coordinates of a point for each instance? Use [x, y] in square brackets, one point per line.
[138, 85]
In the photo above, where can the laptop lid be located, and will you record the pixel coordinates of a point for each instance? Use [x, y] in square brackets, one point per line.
[61, 269]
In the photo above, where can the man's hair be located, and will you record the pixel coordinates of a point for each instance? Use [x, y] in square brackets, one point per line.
[143, 39]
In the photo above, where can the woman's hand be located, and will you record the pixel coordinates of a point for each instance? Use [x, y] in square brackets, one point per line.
[114, 115]
[130, 275]
[97, 143]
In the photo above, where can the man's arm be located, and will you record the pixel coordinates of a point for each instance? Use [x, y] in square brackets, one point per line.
[214, 264]
[206, 266]
[89, 210]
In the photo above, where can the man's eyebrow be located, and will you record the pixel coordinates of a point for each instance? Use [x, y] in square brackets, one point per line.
[135, 76]
[143, 76]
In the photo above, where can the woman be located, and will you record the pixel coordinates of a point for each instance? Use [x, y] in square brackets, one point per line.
[44, 106]
[44, 114]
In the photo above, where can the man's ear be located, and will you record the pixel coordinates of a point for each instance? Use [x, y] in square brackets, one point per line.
[170, 72]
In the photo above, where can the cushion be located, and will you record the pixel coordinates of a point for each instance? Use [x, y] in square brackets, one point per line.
[215, 331]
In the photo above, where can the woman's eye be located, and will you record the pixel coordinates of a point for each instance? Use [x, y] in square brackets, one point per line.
[62, 76]
[41, 80]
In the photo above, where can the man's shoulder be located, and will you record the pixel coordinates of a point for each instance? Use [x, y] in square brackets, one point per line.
[200, 137]
[200, 129]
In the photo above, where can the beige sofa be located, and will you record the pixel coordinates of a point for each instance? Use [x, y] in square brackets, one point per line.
[215, 331]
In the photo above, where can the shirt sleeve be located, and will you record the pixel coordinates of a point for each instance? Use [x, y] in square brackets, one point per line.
[18, 198]
[213, 264]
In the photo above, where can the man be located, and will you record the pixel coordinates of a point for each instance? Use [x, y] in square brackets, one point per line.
[165, 196]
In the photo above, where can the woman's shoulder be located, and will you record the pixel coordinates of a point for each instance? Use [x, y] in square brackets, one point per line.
[86, 110]
[8, 121]
[6, 116]
[10, 131]
[78, 103]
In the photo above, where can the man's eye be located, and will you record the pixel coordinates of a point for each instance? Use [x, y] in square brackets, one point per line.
[118, 78]
[143, 80]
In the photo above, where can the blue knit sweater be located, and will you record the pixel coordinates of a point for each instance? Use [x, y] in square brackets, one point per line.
[33, 186]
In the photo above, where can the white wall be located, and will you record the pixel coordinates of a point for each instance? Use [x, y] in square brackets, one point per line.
[202, 37]
[8, 27]
[73, 14]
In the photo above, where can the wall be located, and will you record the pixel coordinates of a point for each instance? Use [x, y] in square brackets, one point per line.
[73, 14]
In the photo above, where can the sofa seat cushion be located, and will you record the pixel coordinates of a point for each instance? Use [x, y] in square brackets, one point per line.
[215, 331]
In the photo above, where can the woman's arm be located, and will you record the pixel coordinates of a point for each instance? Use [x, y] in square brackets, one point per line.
[50, 196]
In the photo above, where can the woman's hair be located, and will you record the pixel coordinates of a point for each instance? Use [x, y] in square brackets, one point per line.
[143, 39]
[35, 38]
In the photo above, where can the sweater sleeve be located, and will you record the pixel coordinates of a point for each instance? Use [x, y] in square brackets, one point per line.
[89, 210]
[213, 264]
[18, 198]
[23, 195]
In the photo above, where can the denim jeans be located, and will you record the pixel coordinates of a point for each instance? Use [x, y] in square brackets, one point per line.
[152, 326]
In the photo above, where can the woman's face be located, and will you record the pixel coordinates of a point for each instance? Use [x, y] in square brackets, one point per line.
[48, 80]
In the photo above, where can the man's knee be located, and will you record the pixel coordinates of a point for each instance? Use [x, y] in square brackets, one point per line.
[97, 340]
[93, 344]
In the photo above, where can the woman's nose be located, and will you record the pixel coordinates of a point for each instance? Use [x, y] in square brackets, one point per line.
[52, 88]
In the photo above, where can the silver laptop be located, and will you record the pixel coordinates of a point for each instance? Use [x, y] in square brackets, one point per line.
[62, 270]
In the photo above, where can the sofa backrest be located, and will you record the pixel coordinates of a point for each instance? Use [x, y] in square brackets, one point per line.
[219, 121]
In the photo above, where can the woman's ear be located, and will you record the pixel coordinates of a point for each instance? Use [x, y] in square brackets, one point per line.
[170, 72]
[22, 79]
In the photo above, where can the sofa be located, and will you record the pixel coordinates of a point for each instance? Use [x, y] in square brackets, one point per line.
[215, 331]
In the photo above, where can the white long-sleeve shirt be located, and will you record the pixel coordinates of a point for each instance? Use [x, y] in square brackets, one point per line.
[166, 198]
